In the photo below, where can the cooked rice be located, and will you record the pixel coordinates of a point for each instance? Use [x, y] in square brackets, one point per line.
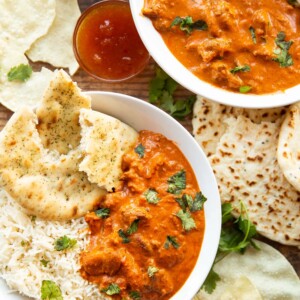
[25, 241]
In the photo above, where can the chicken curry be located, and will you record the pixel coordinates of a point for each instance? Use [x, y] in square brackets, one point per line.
[244, 46]
[146, 238]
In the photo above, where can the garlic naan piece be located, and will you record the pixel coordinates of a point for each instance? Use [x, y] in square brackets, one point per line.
[45, 183]
[288, 152]
[56, 47]
[104, 142]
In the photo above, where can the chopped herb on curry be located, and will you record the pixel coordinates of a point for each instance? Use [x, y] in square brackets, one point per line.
[177, 182]
[112, 289]
[244, 68]
[102, 212]
[253, 34]
[283, 57]
[140, 150]
[171, 241]
[187, 24]
[151, 196]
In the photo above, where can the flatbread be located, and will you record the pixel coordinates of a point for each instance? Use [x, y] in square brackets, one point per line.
[56, 47]
[247, 170]
[58, 114]
[45, 183]
[288, 152]
[104, 141]
[208, 120]
[268, 270]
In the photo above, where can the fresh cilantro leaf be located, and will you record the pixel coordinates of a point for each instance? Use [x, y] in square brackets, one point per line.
[198, 202]
[44, 262]
[244, 68]
[133, 227]
[20, 73]
[140, 150]
[226, 212]
[134, 295]
[151, 196]
[210, 282]
[112, 289]
[245, 89]
[102, 212]
[151, 271]
[161, 90]
[64, 243]
[50, 291]
[187, 221]
[282, 55]
[184, 202]
[123, 235]
[177, 182]
[188, 25]
[171, 240]
[253, 34]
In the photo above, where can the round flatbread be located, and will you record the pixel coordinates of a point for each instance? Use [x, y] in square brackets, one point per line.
[288, 152]
[267, 269]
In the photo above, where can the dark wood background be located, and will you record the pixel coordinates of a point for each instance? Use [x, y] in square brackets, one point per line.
[138, 87]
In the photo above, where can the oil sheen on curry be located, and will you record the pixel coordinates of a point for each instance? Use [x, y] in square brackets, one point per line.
[146, 237]
[244, 46]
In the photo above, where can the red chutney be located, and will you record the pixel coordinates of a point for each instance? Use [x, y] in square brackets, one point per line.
[141, 248]
[107, 44]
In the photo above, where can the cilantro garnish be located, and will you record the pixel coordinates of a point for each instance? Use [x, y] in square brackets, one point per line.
[131, 229]
[102, 213]
[245, 89]
[19, 73]
[64, 243]
[244, 68]
[187, 221]
[112, 289]
[123, 235]
[177, 182]
[236, 236]
[140, 150]
[50, 291]
[253, 34]
[151, 196]
[187, 201]
[188, 25]
[151, 271]
[283, 57]
[161, 90]
[171, 240]
[44, 262]
[134, 295]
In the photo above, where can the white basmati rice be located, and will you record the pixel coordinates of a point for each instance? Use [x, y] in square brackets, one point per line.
[25, 241]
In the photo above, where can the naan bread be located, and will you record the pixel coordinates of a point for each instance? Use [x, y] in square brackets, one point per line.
[104, 141]
[58, 114]
[208, 120]
[247, 170]
[288, 152]
[56, 47]
[267, 270]
[43, 182]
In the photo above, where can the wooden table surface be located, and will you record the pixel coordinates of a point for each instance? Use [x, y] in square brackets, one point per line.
[138, 87]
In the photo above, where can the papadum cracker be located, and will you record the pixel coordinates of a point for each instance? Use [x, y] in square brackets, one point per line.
[56, 47]
[288, 152]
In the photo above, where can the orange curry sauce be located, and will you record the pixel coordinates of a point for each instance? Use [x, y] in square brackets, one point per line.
[153, 260]
[228, 42]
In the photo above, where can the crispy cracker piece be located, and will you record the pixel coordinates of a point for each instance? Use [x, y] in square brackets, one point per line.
[56, 47]
[44, 182]
[288, 152]
[208, 120]
[58, 114]
[247, 170]
[104, 142]
[267, 270]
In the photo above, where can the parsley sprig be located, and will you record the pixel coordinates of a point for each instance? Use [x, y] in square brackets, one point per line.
[236, 236]
[161, 90]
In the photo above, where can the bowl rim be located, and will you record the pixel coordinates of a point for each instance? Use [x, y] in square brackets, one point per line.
[212, 208]
[169, 63]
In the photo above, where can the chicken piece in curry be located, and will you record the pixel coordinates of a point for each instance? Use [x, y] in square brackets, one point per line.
[147, 236]
[243, 46]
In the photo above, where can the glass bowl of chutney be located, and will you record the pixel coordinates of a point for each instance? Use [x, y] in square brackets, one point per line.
[106, 43]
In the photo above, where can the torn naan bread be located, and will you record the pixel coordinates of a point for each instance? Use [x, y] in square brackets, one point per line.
[58, 114]
[45, 183]
[104, 142]
[288, 152]
[247, 170]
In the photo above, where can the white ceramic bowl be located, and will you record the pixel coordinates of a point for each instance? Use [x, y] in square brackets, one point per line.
[142, 115]
[167, 61]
